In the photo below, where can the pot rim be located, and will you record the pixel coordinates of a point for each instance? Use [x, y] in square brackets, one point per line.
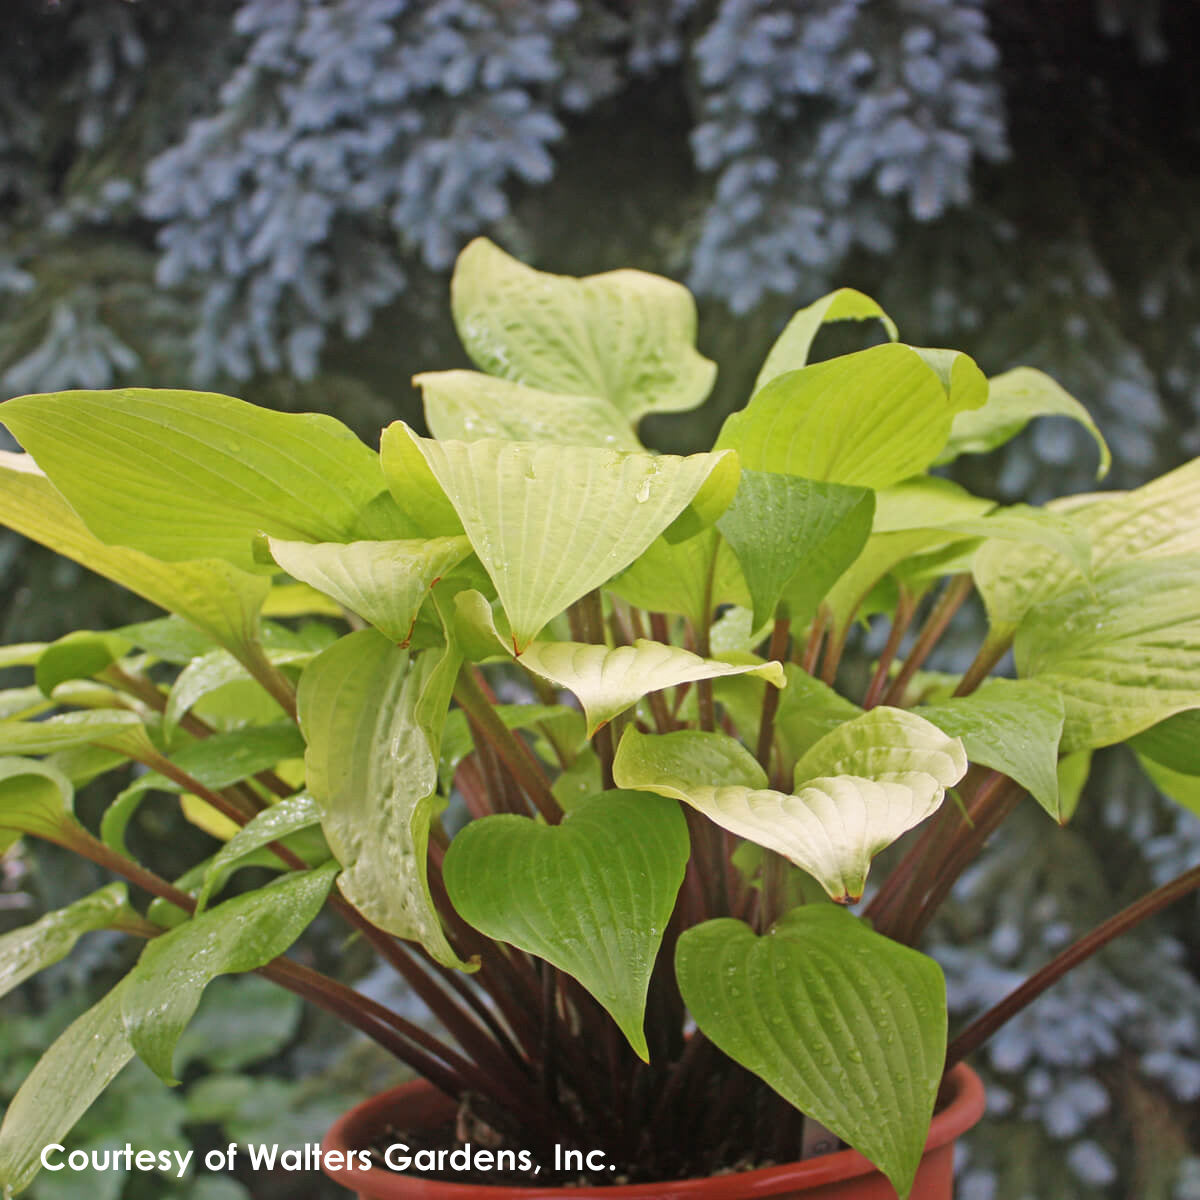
[353, 1129]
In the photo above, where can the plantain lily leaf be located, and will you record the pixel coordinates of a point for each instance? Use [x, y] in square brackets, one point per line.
[79, 655]
[163, 990]
[872, 418]
[607, 682]
[33, 948]
[1013, 400]
[625, 336]
[271, 825]
[76, 1068]
[1073, 772]
[1160, 520]
[691, 578]
[385, 583]
[1173, 743]
[791, 348]
[1123, 656]
[194, 475]
[218, 599]
[845, 1024]
[592, 896]
[466, 406]
[793, 538]
[1179, 786]
[1013, 727]
[113, 729]
[884, 744]
[837, 822]
[217, 670]
[550, 523]
[372, 715]
[965, 384]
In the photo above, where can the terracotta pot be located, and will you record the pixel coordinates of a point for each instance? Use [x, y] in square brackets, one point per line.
[845, 1175]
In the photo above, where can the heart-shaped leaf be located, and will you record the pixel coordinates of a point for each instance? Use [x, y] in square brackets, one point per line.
[793, 538]
[835, 823]
[608, 682]
[1013, 727]
[550, 523]
[625, 336]
[885, 744]
[466, 406]
[844, 1024]
[194, 475]
[872, 418]
[791, 348]
[1013, 400]
[372, 715]
[385, 583]
[592, 895]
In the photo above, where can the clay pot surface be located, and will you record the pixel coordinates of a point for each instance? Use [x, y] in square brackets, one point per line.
[845, 1175]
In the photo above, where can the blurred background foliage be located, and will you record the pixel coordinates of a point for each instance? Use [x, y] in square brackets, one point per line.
[264, 197]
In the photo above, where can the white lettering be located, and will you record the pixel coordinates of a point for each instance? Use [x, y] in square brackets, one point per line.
[46, 1156]
[397, 1157]
[261, 1157]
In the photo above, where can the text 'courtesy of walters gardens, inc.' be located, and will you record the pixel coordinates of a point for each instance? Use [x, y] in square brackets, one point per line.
[466, 1159]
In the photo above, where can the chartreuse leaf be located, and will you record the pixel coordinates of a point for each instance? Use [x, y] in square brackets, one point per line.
[372, 715]
[21, 654]
[592, 895]
[845, 1024]
[857, 790]
[872, 418]
[76, 1068]
[549, 523]
[791, 348]
[79, 655]
[467, 405]
[385, 583]
[33, 948]
[793, 538]
[218, 599]
[607, 682]
[691, 578]
[273, 824]
[113, 728]
[966, 385]
[1173, 743]
[1183, 788]
[161, 993]
[1013, 727]
[1159, 520]
[194, 475]
[1123, 656]
[1073, 772]
[888, 744]
[1013, 400]
[625, 336]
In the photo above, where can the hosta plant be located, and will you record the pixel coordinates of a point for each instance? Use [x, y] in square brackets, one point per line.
[558, 725]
